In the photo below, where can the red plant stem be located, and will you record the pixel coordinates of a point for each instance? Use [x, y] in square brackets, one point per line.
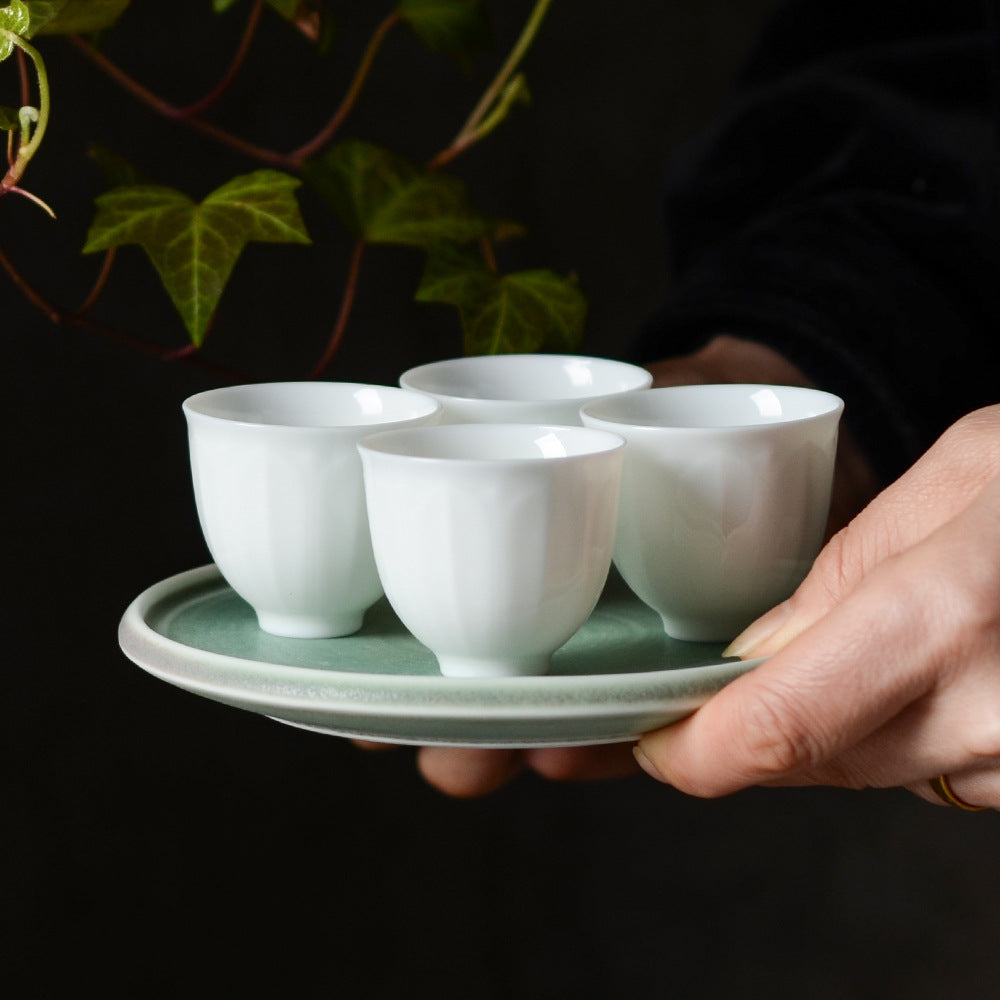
[290, 161]
[445, 157]
[180, 353]
[63, 317]
[489, 254]
[168, 110]
[99, 283]
[22, 69]
[239, 58]
[353, 92]
[346, 303]
[28, 290]
[189, 115]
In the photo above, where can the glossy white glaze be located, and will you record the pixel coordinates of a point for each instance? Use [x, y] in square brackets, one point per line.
[724, 500]
[522, 388]
[493, 541]
[280, 497]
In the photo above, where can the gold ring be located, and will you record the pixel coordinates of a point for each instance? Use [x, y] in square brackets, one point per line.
[943, 791]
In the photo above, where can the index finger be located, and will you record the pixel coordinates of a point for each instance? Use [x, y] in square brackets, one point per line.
[830, 687]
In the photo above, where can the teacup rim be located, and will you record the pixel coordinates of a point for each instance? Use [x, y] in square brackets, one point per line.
[510, 402]
[591, 410]
[370, 444]
[190, 407]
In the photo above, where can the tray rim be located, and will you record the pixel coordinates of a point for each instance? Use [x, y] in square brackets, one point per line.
[393, 696]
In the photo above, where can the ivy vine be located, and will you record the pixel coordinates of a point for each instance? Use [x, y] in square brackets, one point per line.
[379, 196]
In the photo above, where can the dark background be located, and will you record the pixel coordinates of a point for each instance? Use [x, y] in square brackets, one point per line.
[157, 844]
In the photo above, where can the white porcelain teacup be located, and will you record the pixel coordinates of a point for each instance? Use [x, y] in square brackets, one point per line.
[493, 541]
[724, 500]
[522, 388]
[280, 495]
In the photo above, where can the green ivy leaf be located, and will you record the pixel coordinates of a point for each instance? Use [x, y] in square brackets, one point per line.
[118, 172]
[455, 28]
[310, 17]
[42, 12]
[288, 9]
[454, 275]
[16, 19]
[522, 312]
[386, 198]
[194, 247]
[83, 17]
[9, 120]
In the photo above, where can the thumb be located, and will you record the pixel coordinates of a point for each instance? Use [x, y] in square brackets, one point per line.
[935, 490]
[842, 564]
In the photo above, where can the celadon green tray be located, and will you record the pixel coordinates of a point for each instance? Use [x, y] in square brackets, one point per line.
[619, 677]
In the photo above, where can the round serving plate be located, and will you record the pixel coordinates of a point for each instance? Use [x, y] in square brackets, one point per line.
[619, 676]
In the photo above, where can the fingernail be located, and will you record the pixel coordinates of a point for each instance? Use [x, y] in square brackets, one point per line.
[646, 764]
[758, 632]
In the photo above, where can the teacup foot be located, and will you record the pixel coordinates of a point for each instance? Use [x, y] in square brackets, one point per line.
[473, 666]
[309, 626]
[700, 630]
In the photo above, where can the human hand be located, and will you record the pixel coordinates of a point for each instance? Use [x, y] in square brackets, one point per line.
[725, 358]
[884, 666]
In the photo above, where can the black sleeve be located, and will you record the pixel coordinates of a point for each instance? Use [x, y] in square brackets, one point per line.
[841, 209]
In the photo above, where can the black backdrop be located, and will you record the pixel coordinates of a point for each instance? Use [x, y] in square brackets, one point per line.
[157, 844]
